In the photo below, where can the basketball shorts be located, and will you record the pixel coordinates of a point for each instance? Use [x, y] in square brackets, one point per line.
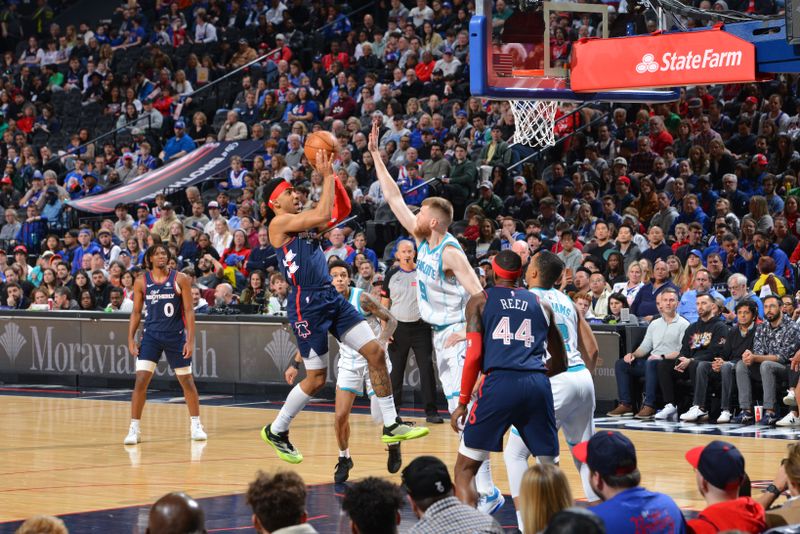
[353, 373]
[313, 313]
[574, 403]
[519, 398]
[154, 344]
[450, 362]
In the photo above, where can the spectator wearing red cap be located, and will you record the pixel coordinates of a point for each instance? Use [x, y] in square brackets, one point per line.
[9, 197]
[627, 507]
[719, 471]
[623, 194]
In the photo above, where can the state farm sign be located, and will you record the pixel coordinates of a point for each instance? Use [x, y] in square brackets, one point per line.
[661, 60]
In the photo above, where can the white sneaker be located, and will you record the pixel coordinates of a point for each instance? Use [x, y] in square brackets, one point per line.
[790, 399]
[489, 504]
[134, 436]
[789, 420]
[198, 434]
[666, 412]
[724, 417]
[694, 413]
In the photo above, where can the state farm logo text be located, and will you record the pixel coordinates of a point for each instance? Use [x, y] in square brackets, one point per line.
[674, 62]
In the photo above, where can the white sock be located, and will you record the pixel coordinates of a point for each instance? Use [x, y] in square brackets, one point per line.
[195, 419]
[295, 402]
[375, 409]
[345, 453]
[135, 424]
[519, 521]
[388, 410]
[483, 478]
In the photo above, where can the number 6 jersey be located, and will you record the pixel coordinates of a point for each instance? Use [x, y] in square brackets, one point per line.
[442, 300]
[163, 305]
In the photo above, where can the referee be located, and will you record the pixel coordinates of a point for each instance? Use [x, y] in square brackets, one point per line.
[400, 296]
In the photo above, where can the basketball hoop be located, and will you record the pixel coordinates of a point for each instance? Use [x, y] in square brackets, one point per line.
[534, 120]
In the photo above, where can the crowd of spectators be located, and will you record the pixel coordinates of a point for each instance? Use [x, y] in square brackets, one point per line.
[546, 505]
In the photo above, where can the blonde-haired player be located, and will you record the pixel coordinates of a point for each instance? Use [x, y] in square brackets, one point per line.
[445, 282]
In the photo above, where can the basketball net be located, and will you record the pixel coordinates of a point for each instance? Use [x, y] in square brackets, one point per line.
[534, 121]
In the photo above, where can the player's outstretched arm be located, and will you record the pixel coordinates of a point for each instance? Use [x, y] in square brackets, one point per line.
[188, 313]
[454, 259]
[587, 343]
[391, 192]
[557, 363]
[136, 315]
[320, 215]
[370, 305]
[474, 359]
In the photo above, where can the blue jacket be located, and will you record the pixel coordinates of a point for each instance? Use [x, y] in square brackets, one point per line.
[687, 307]
[645, 302]
[261, 259]
[782, 266]
[368, 252]
[698, 216]
[93, 248]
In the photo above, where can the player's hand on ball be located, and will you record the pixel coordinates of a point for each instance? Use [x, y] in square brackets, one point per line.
[458, 419]
[325, 162]
[290, 375]
[133, 348]
[188, 350]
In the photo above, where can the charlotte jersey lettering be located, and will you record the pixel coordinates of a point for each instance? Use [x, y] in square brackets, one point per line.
[514, 331]
[163, 306]
[442, 300]
[566, 320]
[304, 248]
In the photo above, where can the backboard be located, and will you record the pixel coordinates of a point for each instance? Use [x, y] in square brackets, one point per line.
[520, 50]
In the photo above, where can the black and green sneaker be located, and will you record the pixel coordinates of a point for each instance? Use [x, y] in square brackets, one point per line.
[343, 468]
[401, 431]
[395, 460]
[280, 442]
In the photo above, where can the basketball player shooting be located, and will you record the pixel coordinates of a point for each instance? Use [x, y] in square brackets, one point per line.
[445, 281]
[315, 309]
[573, 391]
[509, 332]
[166, 296]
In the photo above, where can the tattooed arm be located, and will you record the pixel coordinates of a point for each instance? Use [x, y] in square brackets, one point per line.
[472, 364]
[370, 305]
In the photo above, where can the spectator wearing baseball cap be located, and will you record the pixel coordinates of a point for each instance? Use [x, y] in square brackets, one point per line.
[719, 471]
[177, 146]
[627, 507]
[430, 492]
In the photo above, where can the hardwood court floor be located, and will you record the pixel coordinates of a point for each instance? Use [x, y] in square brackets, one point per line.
[66, 455]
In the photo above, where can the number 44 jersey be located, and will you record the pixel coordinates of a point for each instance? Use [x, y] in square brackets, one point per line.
[163, 306]
[514, 330]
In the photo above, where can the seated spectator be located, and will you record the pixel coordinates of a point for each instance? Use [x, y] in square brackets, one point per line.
[279, 293]
[430, 491]
[575, 520]
[176, 512]
[786, 479]
[740, 338]
[544, 492]
[662, 341]
[373, 505]
[701, 284]
[614, 476]
[117, 301]
[599, 293]
[644, 305]
[630, 288]
[776, 342]
[702, 341]
[279, 503]
[719, 470]
[737, 285]
[659, 250]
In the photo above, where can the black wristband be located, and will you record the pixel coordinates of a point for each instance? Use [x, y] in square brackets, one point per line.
[773, 489]
[295, 364]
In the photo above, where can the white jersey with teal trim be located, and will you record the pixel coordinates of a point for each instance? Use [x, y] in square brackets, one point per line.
[349, 358]
[566, 320]
[442, 300]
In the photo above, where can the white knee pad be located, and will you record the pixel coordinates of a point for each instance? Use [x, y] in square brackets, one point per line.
[473, 454]
[182, 371]
[146, 365]
[358, 336]
[315, 361]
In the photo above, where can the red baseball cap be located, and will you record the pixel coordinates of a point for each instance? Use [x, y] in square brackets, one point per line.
[625, 180]
[760, 159]
[20, 248]
[5, 180]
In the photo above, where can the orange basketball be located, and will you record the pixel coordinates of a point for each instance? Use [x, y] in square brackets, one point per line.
[320, 140]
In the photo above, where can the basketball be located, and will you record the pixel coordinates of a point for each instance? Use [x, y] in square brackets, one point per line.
[316, 141]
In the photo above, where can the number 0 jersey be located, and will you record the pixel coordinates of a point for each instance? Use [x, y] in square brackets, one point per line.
[566, 320]
[163, 305]
[442, 300]
[514, 330]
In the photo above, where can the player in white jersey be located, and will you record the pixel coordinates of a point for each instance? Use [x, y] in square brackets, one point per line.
[445, 281]
[353, 369]
[573, 391]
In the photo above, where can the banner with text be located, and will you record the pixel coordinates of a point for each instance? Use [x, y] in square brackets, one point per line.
[196, 166]
[661, 60]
